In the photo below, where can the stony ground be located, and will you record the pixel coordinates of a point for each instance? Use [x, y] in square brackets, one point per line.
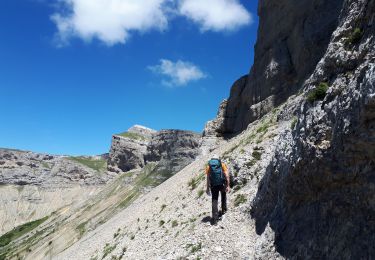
[172, 221]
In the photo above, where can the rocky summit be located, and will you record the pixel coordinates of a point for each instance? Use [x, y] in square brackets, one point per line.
[298, 135]
[171, 149]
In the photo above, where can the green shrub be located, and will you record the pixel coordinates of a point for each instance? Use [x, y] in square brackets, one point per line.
[318, 93]
[161, 223]
[257, 155]
[240, 199]
[163, 207]
[355, 37]
[174, 223]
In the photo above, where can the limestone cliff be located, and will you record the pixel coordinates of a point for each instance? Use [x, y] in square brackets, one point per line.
[292, 38]
[318, 192]
[171, 149]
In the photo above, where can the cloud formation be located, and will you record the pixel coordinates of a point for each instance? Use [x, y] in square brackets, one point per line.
[216, 15]
[178, 73]
[113, 21]
[110, 21]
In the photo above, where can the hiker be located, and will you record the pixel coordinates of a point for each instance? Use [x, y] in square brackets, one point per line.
[217, 181]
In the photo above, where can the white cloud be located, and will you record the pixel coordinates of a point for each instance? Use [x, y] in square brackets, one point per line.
[216, 15]
[110, 21]
[113, 21]
[178, 73]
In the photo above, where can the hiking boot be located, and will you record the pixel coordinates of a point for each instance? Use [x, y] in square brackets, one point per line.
[214, 222]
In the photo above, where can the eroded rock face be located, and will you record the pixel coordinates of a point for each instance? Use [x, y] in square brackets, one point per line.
[318, 193]
[127, 151]
[171, 149]
[126, 154]
[292, 38]
[28, 168]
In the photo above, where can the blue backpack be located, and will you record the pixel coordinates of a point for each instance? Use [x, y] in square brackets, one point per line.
[217, 177]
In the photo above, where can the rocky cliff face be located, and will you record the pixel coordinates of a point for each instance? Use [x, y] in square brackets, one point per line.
[128, 149]
[318, 192]
[292, 38]
[171, 149]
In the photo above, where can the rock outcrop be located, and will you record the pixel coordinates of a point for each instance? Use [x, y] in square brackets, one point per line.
[128, 149]
[171, 149]
[292, 38]
[28, 168]
[318, 193]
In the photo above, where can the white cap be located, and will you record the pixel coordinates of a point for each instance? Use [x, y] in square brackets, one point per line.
[215, 156]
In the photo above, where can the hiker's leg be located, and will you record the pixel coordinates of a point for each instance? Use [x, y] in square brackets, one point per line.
[223, 200]
[215, 200]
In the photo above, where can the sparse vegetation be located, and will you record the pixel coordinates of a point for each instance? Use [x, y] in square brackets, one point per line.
[250, 163]
[240, 199]
[163, 207]
[318, 93]
[19, 231]
[117, 233]
[257, 155]
[193, 183]
[264, 127]
[240, 185]
[133, 136]
[294, 122]
[108, 249]
[81, 228]
[174, 223]
[200, 193]
[195, 248]
[161, 223]
[355, 37]
[95, 164]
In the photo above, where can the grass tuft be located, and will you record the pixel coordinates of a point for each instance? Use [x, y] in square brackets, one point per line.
[133, 136]
[108, 249]
[174, 223]
[355, 37]
[240, 199]
[318, 93]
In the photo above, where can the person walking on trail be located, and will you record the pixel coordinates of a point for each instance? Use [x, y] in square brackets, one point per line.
[217, 182]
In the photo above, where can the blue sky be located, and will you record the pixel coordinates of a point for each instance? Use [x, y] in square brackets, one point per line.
[72, 73]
